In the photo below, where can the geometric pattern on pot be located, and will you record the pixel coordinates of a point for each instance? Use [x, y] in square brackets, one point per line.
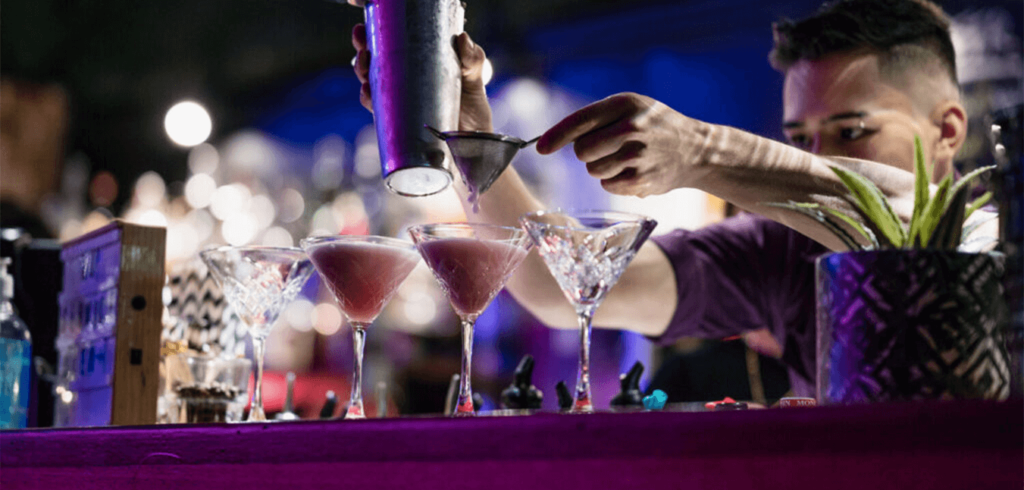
[910, 325]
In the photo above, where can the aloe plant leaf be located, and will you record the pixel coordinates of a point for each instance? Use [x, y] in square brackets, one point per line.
[977, 204]
[883, 242]
[933, 212]
[859, 228]
[948, 229]
[921, 180]
[812, 211]
[968, 177]
[970, 228]
[873, 206]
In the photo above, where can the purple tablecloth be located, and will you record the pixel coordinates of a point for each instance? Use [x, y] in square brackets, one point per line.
[906, 446]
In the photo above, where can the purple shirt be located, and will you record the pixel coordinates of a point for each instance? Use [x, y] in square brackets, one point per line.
[745, 273]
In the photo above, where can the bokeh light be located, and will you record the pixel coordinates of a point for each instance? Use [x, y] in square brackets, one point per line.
[240, 229]
[188, 123]
[488, 71]
[229, 200]
[292, 205]
[326, 318]
[203, 159]
[103, 189]
[150, 190]
[263, 209]
[299, 314]
[278, 237]
[199, 190]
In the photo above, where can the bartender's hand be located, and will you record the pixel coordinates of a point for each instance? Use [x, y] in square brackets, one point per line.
[634, 144]
[475, 112]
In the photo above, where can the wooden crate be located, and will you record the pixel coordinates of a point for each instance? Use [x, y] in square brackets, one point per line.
[110, 324]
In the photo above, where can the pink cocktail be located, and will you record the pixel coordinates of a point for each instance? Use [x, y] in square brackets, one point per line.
[470, 270]
[472, 262]
[363, 272]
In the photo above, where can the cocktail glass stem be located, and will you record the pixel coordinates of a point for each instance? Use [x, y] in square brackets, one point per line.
[584, 315]
[355, 403]
[256, 413]
[465, 405]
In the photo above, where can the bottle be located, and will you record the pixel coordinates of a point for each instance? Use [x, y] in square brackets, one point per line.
[15, 357]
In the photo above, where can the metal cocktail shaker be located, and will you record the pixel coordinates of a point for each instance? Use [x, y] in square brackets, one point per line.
[416, 80]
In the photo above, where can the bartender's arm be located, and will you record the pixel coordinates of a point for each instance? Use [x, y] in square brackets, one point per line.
[639, 146]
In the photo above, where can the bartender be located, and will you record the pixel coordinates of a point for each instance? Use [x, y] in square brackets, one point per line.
[862, 78]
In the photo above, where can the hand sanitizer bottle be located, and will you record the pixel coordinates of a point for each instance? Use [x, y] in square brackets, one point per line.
[15, 357]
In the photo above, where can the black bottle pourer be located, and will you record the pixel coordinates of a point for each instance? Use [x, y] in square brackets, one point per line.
[630, 394]
[565, 400]
[522, 394]
[328, 409]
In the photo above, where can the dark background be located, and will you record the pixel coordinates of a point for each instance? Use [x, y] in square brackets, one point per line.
[125, 63]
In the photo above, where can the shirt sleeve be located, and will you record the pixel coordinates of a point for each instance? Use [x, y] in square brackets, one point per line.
[735, 276]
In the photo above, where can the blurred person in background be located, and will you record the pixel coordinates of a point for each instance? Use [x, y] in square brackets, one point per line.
[33, 125]
[34, 115]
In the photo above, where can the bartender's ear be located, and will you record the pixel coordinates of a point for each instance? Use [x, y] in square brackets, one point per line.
[951, 118]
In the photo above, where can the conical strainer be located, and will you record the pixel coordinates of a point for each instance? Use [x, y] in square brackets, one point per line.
[481, 156]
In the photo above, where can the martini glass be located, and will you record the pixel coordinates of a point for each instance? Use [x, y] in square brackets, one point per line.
[363, 272]
[586, 251]
[258, 282]
[472, 261]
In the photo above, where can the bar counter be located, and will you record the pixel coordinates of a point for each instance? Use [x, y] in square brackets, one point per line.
[934, 445]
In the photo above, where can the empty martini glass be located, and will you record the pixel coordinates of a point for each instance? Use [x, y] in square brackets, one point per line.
[481, 157]
[258, 282]
[363, 272]
[586, 251]
[472, 261]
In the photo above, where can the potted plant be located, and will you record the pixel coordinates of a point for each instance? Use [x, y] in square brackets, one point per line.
[904, 315]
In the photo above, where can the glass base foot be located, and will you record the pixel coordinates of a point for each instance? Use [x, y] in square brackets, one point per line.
[354, 412]
[582, 406]
[256, 414]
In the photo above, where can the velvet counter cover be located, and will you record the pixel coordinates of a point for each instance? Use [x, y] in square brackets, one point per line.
[906, 446]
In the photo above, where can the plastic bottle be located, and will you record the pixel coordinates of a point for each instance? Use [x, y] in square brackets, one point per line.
[15, 357]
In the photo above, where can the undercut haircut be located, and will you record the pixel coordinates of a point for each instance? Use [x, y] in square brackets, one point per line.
[906, 34]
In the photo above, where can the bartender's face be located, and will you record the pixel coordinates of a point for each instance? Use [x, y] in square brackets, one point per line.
[839, 105]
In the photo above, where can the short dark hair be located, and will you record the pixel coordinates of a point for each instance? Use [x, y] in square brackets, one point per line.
[905, 33]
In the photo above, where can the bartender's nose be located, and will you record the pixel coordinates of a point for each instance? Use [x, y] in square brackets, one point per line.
[816, 144]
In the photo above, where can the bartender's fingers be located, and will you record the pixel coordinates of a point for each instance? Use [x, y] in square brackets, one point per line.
[626, 183]
[365, 97]
[594, 116]
[359, 37]
[357, 3]
[362, 66]
[615, 164]
[605, 141]
[471, 58]
[361, 63]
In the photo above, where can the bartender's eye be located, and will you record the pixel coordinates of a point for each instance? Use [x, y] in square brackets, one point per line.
[854, 133]
[801, 141]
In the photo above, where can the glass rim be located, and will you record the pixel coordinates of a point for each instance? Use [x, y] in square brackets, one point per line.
[317, 240]
[622, 216]
[484, 135]
[248, 248]
[463, 224]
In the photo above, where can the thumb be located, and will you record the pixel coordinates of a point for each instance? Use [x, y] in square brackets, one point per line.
[471, 58]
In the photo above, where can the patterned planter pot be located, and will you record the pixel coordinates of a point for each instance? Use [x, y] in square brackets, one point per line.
[910, 325]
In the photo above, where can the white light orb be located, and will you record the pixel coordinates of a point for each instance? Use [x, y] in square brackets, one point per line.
[326, 318]
[488, 71]
[199, 190]
[203, 159]
[188, 123]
